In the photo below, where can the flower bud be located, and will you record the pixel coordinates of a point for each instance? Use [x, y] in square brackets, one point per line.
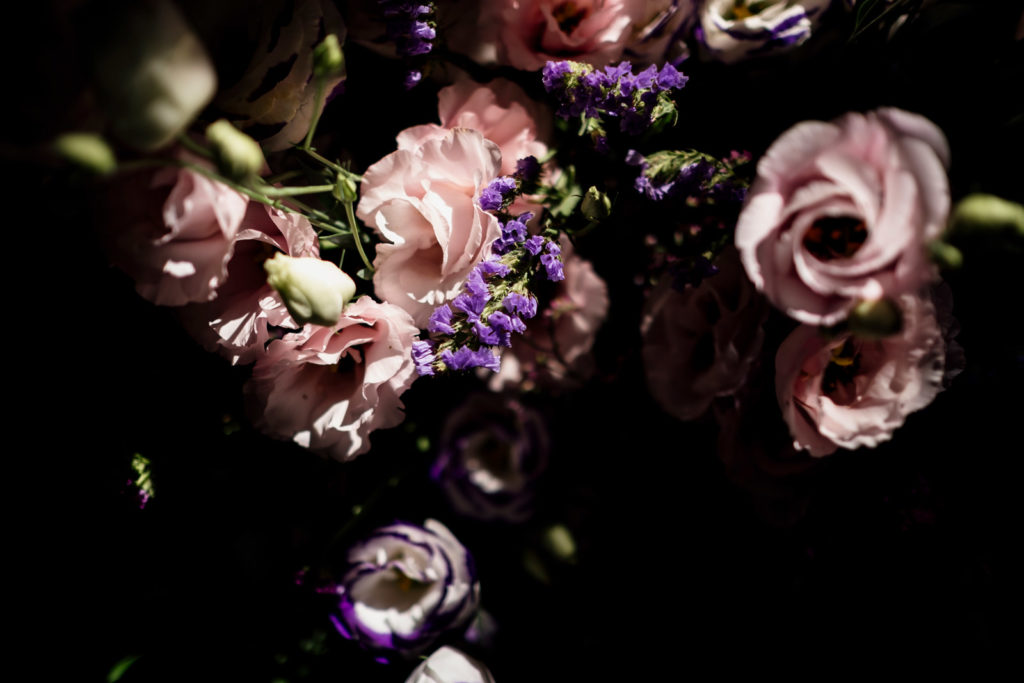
[88, 150]
[314, 290]
[152, 73]
[980, 211]
[328, 59]
[596, 205]
[345, 189]
[875, 319]
[238, 155]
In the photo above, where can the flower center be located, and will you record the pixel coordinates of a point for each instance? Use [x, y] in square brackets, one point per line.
[835, 237]
[837, 380]
[569, 16]
[743, 10]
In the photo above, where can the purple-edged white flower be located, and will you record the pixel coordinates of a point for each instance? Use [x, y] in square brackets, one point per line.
[732, 31]
[492, 451]
[448, 665]
[406, 586]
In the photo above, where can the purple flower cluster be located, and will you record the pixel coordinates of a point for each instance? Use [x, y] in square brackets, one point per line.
[688, 173]
[410, 27]
[493, 305]
[614, 92]
[503, 189]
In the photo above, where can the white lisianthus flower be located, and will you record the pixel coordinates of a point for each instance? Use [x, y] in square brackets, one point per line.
[733, 30]
[315, 291]
[448, 665]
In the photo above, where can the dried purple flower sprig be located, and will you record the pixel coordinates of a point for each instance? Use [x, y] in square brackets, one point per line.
[688, 173]
[412, 29]
[639, 101]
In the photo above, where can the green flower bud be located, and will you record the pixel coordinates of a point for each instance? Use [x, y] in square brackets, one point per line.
[88, 150]
[315, 291]
[875, 319]
[986, 212]
[596, 205]
[345, 189]
[238, 156]
[328, 59]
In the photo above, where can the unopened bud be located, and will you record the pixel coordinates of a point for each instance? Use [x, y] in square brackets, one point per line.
[88, 150]
[596, 205]
[238, 156]
[986, 212]
[328, 59]
[875, 319]
[559, 542]
[345, 189]
[315, 291]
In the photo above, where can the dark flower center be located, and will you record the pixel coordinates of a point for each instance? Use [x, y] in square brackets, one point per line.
[835, 237]
[843, 367]
[569, 16]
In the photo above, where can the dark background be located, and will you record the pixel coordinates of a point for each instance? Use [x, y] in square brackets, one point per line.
[895, 554]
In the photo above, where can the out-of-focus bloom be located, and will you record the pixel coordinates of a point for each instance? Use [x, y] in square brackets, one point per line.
[238, 323]
[848, 392]
[531, 32]
[842, 211]
[492, 451]
[500, 110]
[284, 111]
[448, 665]
[328, 388]
[699, 342]
[659, 30]
[556, 348]
[733, 30]
[173, 232]
[238, 156]
[314, 290]
[406, 586]
[425, 203]
[152, 73]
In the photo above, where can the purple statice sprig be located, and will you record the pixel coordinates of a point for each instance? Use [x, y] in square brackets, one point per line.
[691, 174]
[640, 102]
[495, 302]
[501, 191]
[412, 29]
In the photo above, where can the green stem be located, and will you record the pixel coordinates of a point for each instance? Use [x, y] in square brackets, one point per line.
[293, 191]
[317, 101]
[350, 214]
[251, 194]
[323, 160]
[193, 146]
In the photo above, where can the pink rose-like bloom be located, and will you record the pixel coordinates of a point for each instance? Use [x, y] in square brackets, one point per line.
[555, 350]
[327, 388]
[175, 234]
[848, 392]
[842, 211]
[425, 202]
[700, 343]
[532, 32]
[236, 323]
[499, 110]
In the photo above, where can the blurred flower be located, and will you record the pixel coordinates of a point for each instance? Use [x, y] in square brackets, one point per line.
[424, 203]
[328, 388]
[314, 290]
[700, 342]
[448, 665]
[284, 60]
[238, 156]
[491, 453]
[406, 585]
[173, 232]
[152, 73]
[842, 211]
[238, 322]
[732, 30]
[848, 392]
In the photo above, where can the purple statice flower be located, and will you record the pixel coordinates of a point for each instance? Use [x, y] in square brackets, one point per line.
[423, 357]
[492, 451]
[471, 304]
[688, 173]
[441, 320]
[534, 244]
[528, 170]
[405, 587]
[465, 358]
[410, 26]
[495, 195]
[552, 262]
[520, 304]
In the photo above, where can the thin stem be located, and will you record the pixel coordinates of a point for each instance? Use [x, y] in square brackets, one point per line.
[293, 191]
[350, 214]
[251, 194]
[193, 146]
[323, 160]
[317, 102]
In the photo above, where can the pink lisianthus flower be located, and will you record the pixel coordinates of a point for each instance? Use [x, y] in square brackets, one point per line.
[237, 323]
[529, 33]
[842, 212]
[173, 232]
[700, 343]
[555, 350]
[848, 392]
[424, 202]
[328, 388]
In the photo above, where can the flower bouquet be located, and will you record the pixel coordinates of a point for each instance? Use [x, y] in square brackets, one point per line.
[529, 339]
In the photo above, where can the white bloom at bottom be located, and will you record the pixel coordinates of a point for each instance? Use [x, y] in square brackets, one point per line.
[448, 665]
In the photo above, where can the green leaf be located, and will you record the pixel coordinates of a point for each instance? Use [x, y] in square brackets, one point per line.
[119, 669]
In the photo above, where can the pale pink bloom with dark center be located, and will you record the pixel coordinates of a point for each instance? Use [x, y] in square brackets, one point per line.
[843, 211]
[328, 388]
[848, 392]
